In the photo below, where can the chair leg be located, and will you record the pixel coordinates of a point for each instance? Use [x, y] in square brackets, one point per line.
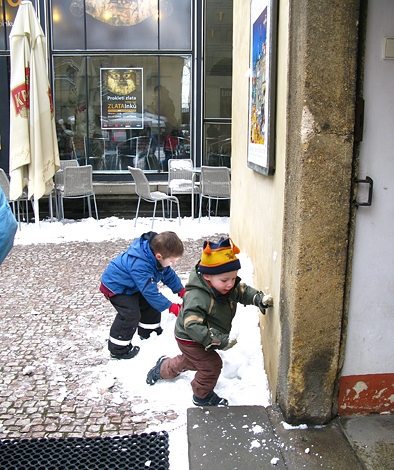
[27, 210]
[50, 206]
[154, 213]
[162, 207]
[19, 211]
[89, 206]
[61, 209]
[136, 214]
[179, 213]
[16, 215]
[199, 212]
[95, 206]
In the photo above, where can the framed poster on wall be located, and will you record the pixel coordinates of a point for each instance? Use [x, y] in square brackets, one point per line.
[262, 88]
[121, 98]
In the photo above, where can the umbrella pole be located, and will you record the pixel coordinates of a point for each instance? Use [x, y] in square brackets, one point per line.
[36, 212]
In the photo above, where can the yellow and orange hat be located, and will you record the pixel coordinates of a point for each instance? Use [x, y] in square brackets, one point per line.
[218, 258]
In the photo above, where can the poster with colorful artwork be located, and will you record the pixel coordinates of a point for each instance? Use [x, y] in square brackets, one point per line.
[261, 151]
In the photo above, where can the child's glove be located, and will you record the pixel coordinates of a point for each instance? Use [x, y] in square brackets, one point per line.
[263, 301]
[182, 293]
[232, 342]
[175, 309]
[218, 340]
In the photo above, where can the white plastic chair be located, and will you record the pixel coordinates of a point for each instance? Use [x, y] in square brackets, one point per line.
[180, 179]
[60, 172]
[59, 178]
[5, 186]
[143, 191]
[215, 183]
[77, 183]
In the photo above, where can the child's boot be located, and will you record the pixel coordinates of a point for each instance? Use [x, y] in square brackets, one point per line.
[128, 354]
[154, 374]
[210, 400]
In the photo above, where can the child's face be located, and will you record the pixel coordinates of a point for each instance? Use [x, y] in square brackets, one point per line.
[170, 261]
[223, 283]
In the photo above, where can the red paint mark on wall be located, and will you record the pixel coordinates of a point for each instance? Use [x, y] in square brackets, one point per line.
[373, 393]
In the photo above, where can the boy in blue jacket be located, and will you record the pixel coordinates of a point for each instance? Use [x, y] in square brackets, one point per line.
[130, 284]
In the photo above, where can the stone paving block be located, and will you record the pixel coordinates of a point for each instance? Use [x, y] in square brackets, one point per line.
[313, 447]
[372, 437]
[232, 438]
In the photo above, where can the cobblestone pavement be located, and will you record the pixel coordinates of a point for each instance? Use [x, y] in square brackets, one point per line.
[49, 298]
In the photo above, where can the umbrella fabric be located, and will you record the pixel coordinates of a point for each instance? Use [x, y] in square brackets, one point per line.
[34, 154]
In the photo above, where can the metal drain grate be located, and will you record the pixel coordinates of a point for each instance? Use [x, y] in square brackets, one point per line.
[142, 451]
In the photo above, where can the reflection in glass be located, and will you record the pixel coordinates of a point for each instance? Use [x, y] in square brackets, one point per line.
[175, 24]
[165, 110]
[68, 24]
[125, 13]
[218, 83]
[8, 10]
[121, 25]
[217, 144]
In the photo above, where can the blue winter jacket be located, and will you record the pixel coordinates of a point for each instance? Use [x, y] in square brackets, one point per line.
[8, 227]
[137, 270]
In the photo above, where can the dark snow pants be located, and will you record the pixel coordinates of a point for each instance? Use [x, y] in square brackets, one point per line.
[208, 365]
[133, 312]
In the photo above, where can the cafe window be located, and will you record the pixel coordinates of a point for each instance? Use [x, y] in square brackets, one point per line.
[114, 111]
[218, 82]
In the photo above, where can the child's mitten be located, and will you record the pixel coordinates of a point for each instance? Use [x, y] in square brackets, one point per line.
[232, 342]
[175, 309]
[217, 339]
[263, 301]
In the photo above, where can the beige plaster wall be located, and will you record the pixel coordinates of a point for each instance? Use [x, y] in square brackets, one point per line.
[257, 201]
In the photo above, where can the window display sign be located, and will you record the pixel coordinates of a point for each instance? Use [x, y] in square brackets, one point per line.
[121, 98]
[261, 152]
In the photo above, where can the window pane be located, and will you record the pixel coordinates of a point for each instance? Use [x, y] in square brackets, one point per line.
[67, 87]
[2, 29]
[115, 143]
[217, 150]
[171, 100]
[218, 58]
[175, 24]
[68, 30]
[123, 25]
[8, 10]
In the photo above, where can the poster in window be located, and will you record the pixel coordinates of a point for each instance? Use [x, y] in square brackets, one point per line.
[261, 149]
[121, 98]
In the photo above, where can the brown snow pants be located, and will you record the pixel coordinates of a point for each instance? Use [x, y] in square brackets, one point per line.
[208, 365]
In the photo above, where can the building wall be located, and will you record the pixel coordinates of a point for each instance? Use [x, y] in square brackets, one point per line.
[294, 225]
[257, 203]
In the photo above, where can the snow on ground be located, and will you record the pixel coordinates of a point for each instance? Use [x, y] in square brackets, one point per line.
[243, 379]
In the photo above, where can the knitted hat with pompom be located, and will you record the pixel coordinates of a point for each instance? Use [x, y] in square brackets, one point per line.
[218, 258]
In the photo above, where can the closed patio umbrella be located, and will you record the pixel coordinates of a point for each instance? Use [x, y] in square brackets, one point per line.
[34, 154]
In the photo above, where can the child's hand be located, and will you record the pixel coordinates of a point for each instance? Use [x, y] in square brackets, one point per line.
[175, 309]
[263, 301]
[232, 342]
[218, 340]
[182, 293]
